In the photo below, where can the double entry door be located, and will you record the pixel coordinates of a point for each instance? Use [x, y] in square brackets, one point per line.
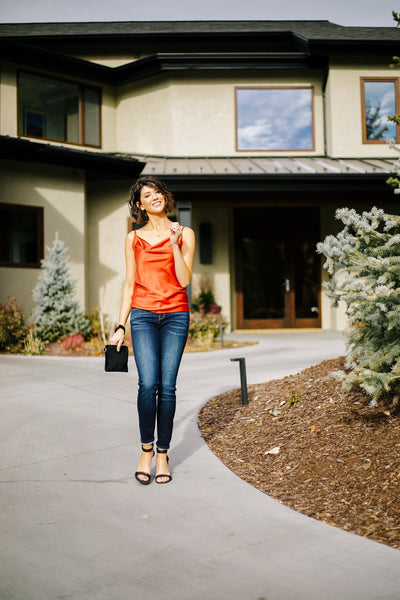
[278, 270]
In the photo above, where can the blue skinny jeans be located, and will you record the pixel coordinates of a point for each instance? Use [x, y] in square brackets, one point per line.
[158, 341]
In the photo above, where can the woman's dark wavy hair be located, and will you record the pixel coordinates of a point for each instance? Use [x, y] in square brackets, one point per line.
[134, 203]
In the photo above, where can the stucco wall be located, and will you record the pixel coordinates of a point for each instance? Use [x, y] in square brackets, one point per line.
[107, 228]
[61, 192]
[343, 107]
[218, 273]
[8, 100]
[195, 116]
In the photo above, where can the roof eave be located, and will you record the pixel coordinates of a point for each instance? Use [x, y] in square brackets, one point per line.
[93, 162]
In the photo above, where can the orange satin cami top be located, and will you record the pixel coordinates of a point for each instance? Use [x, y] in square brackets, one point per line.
[156, 286]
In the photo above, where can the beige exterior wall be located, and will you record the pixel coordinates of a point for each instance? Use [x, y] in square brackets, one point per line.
[107, 60]
[343, 110]
[196, 116]
[108, 120]
[8, 100]
[219, 272]
[107, 228]
[61, 192]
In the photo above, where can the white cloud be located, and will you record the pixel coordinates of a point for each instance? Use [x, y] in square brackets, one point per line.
[276, 119]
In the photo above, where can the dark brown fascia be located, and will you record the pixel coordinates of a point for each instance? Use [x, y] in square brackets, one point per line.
[102, 163]
[47, 60]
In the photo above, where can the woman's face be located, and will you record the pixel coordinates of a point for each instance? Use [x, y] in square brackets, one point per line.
[151, 200]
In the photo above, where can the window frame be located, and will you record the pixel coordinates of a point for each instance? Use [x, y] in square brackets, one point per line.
[39, 232]
[276, 87]
[81, 117]
[396, 81]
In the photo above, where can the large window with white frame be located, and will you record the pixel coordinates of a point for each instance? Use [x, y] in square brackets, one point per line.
[274, 118]
[58, 110]
[379, 100]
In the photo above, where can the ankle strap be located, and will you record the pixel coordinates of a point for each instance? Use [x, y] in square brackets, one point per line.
[147, 449]
[161, 451]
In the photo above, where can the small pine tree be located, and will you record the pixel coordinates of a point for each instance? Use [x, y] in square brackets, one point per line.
[364, 263]
[57, 313]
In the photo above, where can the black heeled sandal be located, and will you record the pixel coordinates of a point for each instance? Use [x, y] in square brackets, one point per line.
[160, 475]
[143, 473]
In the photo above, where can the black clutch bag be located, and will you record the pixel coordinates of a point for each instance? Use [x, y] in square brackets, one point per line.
[116, 361]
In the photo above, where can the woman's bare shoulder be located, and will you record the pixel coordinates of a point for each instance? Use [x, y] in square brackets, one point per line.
[187, 234]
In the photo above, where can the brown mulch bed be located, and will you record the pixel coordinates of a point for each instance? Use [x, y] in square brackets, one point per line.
[333, 457]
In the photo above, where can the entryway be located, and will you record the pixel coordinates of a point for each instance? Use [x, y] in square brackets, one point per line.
[278, 272]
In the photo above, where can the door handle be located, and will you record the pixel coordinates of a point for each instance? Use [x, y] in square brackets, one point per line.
[287, 284]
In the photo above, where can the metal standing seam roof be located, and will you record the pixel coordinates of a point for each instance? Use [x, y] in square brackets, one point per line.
[255, 165]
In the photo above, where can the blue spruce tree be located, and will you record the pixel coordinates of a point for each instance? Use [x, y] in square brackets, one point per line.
[364, 263]
[57, 313]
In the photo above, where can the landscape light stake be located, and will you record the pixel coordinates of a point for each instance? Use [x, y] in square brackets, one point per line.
[243, 378]
[221, 334]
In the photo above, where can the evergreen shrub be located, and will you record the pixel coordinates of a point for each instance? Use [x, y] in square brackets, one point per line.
[363, 261]
[57, 313]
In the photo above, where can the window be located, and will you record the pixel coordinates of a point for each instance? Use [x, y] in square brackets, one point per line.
[21, 235]
[379, 99]
[58, 110]
[274, 118]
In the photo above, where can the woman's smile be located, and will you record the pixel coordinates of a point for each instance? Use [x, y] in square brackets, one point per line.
[151, 199]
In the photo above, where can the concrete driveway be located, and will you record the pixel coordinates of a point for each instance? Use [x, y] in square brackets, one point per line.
[75, 525]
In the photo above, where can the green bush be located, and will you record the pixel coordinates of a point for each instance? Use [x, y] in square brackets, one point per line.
[13, 326]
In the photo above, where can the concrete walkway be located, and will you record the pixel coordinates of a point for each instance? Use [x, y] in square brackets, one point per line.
[75, 525]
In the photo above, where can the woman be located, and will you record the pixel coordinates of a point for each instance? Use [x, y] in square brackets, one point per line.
[159, 259]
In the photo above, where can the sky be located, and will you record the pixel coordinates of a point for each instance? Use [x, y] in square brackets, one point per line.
[344, 12]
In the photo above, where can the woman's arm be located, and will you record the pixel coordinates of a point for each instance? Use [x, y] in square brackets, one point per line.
[118, 337]
[183, 256]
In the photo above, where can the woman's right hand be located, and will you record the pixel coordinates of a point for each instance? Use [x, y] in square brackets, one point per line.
[117, 339]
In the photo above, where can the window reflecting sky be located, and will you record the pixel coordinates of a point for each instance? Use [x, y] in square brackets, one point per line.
[274, 119]
[379, 103]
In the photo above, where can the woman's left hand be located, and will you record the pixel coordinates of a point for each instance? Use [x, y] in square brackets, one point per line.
[175, 232]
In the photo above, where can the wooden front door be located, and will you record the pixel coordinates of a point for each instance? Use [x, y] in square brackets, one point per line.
[277, 267]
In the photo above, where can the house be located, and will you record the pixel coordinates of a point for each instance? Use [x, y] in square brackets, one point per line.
[261, 129]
